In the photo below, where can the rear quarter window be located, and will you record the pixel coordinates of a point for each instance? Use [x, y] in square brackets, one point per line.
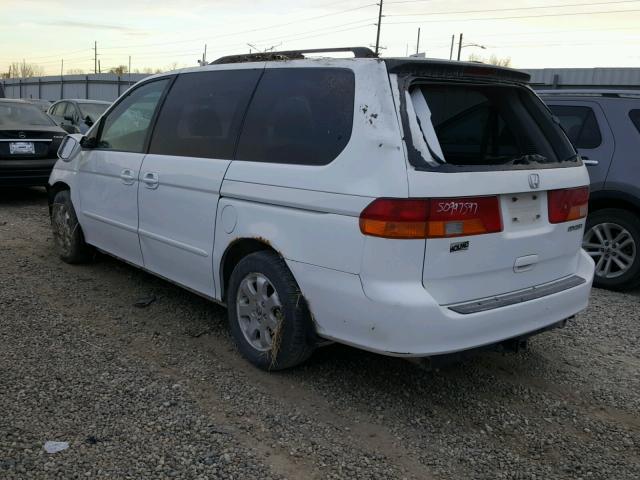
[635, 118]
[580, 124]
[299, 116]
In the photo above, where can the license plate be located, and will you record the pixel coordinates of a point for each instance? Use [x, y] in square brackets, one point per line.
[21, 148]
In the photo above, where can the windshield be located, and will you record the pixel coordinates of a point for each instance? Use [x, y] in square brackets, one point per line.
[484, 124]
[21, 114]
[92, 110]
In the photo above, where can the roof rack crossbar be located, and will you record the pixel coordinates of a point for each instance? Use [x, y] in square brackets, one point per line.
[358, 52]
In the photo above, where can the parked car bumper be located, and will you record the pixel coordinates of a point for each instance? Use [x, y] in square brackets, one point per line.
[406, 320]
[25, 173]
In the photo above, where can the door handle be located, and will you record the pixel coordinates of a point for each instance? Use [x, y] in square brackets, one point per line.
[524, 264]
[590, 163]
[150, 180]
[127, 176]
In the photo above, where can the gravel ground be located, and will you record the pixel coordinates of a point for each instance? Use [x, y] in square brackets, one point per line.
[160, 392]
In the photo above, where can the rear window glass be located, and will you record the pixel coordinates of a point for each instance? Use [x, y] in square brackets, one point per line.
[299, 116]
[202, 114]
[635, 118]
[486, 125]
[21, 115]
[580, 124]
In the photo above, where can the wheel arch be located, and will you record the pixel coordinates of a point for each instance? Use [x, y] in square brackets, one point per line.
[236, 251]
[613, 199]
[54, 189]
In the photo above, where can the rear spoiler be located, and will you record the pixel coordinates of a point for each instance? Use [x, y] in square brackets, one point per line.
[453, 70]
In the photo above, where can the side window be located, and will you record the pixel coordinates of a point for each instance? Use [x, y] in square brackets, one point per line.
[580, 124]
[58, 109]
[70, 111]
[635, 118]
[299, 116]
[125, 128]
[202, 113]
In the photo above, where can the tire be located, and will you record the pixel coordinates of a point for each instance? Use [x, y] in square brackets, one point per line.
[67, 233]
[268, 316]
[603, 228]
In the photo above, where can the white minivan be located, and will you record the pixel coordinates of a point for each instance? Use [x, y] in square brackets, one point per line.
[408, 207]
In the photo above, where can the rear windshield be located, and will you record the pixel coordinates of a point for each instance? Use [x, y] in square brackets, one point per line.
[20, 115]
[473, 125]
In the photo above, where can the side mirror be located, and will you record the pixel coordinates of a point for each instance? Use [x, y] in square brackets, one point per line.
[69, 128]
[68, 147]
[89, 142]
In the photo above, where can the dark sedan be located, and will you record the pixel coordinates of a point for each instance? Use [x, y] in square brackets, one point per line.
[29, 141]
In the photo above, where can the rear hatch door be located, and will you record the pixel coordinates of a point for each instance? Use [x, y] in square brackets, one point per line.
[475, 138]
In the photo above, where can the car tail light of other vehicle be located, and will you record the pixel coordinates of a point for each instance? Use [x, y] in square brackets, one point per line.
[431, 218]
[568, 204]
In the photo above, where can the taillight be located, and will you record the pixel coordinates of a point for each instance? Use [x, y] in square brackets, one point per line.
[568, 204]
[431, 218]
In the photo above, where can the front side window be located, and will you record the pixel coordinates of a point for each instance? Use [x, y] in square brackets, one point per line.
[635, 118]
[580, 124]
[202, 114]
[127, 125]
[299, 116]
[92, 110]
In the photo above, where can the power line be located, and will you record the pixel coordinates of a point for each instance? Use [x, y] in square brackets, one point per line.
[511, 9]
[444, 20]
[241, 32]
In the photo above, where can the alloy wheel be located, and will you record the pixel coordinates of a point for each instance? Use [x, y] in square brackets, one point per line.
[612, 247]
[259, 311]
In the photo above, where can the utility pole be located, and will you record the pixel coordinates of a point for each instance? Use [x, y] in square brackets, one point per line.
[129, 71]
[379, 25]
[99, 67]
[62, 67]
[460, 47]
[204, 56]
[95, 57]
[418, 42]
[453, 41]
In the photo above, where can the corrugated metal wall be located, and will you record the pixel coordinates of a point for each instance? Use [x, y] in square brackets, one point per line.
[622, 78]
[103, 86]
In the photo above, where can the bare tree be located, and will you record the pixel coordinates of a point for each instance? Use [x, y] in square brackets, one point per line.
[493, 60]
[75, 71]
[119, 70]
[26, 70]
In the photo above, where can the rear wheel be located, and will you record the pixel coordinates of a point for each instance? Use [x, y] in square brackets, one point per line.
[67, 234]
[612, 239]
[268, 316]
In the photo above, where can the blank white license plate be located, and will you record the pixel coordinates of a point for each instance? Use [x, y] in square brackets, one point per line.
[21, 148]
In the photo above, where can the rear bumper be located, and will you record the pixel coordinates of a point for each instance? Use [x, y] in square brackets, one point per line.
[404, 320]
[25, 173]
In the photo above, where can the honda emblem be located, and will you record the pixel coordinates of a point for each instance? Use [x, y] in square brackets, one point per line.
[22, 135]
[534, 181]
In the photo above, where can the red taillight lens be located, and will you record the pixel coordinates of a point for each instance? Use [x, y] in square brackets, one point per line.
[431, 218]
[568, 204]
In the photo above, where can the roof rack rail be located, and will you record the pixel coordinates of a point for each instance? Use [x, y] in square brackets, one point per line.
[588, 92]
[358, 52]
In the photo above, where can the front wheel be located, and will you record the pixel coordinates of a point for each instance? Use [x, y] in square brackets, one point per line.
[612, 239]
[268, 316]
[67, 233]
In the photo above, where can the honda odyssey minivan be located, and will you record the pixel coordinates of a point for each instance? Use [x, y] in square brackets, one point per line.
[404, 206]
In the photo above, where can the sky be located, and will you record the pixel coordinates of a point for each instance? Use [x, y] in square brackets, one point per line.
[172, 33]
